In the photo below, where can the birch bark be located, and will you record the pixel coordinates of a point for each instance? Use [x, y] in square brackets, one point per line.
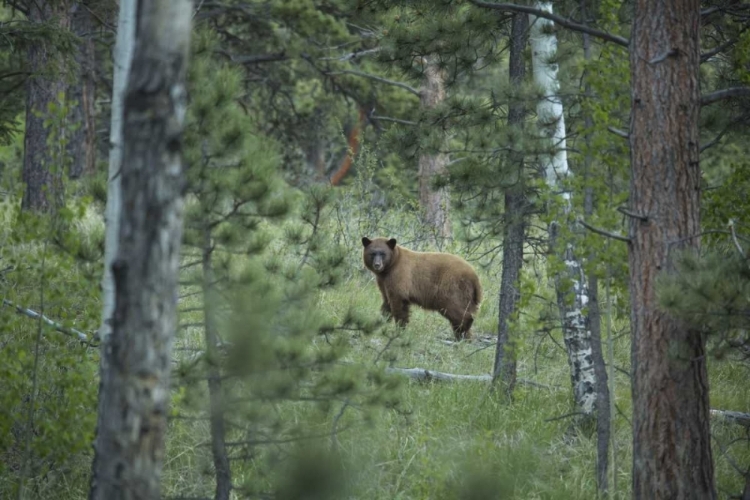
[571, 299]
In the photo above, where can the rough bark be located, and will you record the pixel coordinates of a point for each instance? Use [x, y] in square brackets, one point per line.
[82, 145]
[671, 442]
[515, 218]
[572, 294]
[46, 65]
[134, 391]
[215, 391]
[435, 203]
[603, 417]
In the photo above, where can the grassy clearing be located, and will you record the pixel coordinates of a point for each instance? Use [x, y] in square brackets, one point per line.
[445, 440]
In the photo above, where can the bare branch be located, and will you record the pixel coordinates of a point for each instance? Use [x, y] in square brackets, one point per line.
[353, 55]
[565, 23]
[618, 132]
[723, 94]
[254, 59]
[376, 78]
[629, 213]
[389, 119]
[57, 326]
[602, 232]
[734, 239]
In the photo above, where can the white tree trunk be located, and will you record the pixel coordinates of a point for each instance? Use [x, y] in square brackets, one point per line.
[134, 391]
[123, 55]
[552, 126]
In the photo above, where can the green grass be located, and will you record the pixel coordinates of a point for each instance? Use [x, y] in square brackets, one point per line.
[445, 440]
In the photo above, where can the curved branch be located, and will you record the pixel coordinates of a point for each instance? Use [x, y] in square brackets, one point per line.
[565, 23]
[723, 94]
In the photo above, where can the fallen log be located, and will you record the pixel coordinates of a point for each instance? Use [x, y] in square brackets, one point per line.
[424, 375]
[733, 417]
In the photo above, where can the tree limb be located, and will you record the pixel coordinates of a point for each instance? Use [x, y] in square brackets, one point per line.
[254, 59]
[389, 119]
[723, 94]
[565, 23]
[57, 326]
[629, 213]
[602, 232]
[619, 133]
[376, 78]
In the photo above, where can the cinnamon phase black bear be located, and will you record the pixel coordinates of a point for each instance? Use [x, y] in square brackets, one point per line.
[434, 281]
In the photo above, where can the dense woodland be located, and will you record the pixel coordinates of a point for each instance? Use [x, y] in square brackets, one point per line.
[185, 191]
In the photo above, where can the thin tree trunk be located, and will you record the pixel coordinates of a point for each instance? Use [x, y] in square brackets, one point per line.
[671, 441]
[515, 218]
[215, 392]
[134, 393]
[572, 294]
[435, 202]
[603, 417]
[123, 56]
[82, 145]
[41, 175]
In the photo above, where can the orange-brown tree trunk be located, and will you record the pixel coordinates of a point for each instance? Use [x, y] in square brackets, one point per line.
[435, 202]
[671, 442]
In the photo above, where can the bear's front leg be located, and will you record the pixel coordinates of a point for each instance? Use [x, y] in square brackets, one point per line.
[385, 310]
[400, 311]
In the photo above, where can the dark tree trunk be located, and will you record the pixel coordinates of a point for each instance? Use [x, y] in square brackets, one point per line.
[215, 392]
[435, 203]
[134, 388]
[82, 145]
[40, 173]
[603, 417]
[671, 442]
[515, 218]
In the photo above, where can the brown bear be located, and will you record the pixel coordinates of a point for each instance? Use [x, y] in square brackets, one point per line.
[434, 281]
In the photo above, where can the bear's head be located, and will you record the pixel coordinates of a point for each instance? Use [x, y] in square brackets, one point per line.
[378, 254]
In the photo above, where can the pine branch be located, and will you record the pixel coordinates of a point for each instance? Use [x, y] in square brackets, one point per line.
[565, 23]
[723, 94]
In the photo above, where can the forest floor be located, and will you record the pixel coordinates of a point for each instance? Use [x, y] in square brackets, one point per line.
[460, 439]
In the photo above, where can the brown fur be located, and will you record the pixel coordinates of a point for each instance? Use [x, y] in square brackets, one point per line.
[434, 281]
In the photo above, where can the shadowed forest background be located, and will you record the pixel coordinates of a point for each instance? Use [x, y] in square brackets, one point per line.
[184, 191]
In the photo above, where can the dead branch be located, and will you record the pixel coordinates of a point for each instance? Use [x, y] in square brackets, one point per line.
[733, 417]
[57, 326]
[602, 232]
[424, 375]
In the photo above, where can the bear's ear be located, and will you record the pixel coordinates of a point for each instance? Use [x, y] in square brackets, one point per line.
[392, 243]
[366, 242]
